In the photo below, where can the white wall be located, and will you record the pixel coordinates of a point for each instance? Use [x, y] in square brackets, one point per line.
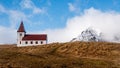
[23, 43]
[19, 38]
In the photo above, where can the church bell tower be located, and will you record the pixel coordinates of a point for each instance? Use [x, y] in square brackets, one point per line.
[20, 33]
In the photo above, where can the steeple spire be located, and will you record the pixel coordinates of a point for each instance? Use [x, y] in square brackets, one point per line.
[21, 28]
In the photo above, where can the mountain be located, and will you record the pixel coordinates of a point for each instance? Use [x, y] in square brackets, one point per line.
[89, 34]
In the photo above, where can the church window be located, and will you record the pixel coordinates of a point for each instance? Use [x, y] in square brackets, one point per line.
[20, 42]
[26, 42]
[20, 34]
[36, 42]
[41, 42]
[31, 42]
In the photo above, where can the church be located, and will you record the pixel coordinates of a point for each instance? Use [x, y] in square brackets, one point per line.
[24, 39]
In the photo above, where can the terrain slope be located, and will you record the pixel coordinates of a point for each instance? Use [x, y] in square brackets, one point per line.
[62, 55]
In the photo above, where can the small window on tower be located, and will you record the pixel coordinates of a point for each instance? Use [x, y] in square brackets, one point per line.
[20, 42]
[20, 34]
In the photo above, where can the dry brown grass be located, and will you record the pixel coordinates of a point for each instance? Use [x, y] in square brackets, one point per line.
[62, 55]
[7, 45]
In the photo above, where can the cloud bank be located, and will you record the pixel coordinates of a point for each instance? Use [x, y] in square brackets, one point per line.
[7, 35]
[106, 22]
[28, 4]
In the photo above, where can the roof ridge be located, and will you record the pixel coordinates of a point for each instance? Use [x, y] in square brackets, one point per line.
[36, 34]
[35, 37]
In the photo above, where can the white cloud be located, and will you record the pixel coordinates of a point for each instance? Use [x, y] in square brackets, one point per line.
[74, 7]
[107, 22]
[7, 35]
[2, 9]
[71, 7]
[37, 10]
[77, 6]
[28, 4]
[16, 16]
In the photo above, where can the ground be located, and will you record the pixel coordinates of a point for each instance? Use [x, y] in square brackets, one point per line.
[62, 55]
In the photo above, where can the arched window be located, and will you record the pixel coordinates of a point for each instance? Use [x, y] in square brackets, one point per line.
[36, 42]
[20, 34]
[31, 42]
[20, 42]
[41, 42]
[26, 42]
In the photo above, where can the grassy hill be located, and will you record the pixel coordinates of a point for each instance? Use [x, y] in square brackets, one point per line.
[7, 45]
[62, 55]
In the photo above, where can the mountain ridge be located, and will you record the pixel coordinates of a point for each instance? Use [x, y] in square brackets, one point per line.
[88, 35]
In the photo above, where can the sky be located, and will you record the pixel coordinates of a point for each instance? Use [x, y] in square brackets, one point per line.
[61, 20]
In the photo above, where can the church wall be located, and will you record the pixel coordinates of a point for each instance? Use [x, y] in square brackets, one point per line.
[32, 42]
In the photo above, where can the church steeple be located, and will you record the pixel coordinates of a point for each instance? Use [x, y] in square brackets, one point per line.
[20, 33]
[21, 28]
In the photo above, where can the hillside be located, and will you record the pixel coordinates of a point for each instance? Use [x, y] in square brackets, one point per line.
[62, 55]
[7, 45]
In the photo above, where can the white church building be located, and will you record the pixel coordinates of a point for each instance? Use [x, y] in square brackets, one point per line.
[24, 39]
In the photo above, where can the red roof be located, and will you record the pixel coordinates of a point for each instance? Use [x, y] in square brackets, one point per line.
[35, 37]
[21, 28]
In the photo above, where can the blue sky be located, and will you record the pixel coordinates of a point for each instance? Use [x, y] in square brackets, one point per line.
[47, 15]
[54, 13]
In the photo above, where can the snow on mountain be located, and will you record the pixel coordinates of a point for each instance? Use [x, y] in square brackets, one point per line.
[89, 34]
[117, 38]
